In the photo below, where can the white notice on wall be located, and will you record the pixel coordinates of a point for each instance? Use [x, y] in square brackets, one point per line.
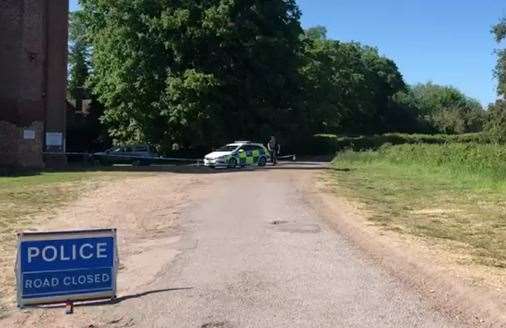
[54, 139]
[29, 134]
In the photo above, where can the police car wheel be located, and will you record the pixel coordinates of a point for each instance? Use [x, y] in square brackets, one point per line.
[232, 162]
[262, 161]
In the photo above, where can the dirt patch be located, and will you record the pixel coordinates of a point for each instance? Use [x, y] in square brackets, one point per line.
[472, 293]
[145, 210]
[29, 203]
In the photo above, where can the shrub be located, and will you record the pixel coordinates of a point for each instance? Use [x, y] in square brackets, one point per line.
[324, 144]
[471, 158]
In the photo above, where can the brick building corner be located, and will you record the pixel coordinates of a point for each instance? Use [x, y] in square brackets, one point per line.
[33, 78]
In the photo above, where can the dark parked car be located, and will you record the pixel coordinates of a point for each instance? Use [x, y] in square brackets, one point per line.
[132, 154]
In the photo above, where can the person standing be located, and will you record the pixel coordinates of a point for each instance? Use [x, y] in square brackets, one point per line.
[274, 149]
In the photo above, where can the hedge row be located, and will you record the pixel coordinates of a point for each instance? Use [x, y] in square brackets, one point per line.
[326, 144]
[486, 160]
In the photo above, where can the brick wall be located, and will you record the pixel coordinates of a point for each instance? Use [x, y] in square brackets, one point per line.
[33, 71]
[16, 150]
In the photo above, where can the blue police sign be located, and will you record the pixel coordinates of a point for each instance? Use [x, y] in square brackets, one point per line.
[64, 266]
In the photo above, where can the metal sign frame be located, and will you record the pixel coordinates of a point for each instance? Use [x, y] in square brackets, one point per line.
[63, 235]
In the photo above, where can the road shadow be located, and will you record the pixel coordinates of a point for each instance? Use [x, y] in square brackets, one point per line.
[182, 169]
[298, 165]
[149, 292]
[15, 173]
[344, 169]
[316, 158]
[116, 300]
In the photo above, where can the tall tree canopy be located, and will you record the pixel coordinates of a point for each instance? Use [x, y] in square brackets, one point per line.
[496, 124]
[195, 71]
[79, 54]
[84, 132]
[348, 86]
[443, 109]
[499, 32]
[205, 72]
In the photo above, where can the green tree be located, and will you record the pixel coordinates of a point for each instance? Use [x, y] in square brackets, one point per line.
[316, 33]
[496, 124]
[195, 72]
[383, 81]
[348, 87]
[499, 32]
[79, 55]
[443, 109]
[84, 132]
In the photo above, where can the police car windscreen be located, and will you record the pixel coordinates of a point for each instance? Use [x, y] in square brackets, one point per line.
[227, 148]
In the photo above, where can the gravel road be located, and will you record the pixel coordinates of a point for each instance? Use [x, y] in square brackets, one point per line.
[254, 252]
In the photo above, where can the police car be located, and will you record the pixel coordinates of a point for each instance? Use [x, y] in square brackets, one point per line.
[239, 153]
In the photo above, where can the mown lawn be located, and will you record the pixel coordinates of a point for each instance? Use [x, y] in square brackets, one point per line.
[23, 197]
[432, 192]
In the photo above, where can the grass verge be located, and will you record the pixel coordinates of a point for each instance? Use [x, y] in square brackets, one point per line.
[453, 194]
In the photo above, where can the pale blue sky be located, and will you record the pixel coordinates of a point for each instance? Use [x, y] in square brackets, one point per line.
[444, 41]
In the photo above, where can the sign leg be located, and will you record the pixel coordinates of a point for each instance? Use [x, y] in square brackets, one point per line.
[69, 307]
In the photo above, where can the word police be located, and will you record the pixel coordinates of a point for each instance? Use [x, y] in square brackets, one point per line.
[73, 253]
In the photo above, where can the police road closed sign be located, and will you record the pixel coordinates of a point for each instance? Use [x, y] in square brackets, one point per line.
[64, 266]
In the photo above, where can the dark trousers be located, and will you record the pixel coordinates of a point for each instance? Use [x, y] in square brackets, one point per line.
[274, 157]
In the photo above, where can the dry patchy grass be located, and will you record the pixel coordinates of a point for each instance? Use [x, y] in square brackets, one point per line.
[466, 212]
[27, 202]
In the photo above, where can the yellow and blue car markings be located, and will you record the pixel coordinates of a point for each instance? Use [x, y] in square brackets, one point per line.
[251, 157]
